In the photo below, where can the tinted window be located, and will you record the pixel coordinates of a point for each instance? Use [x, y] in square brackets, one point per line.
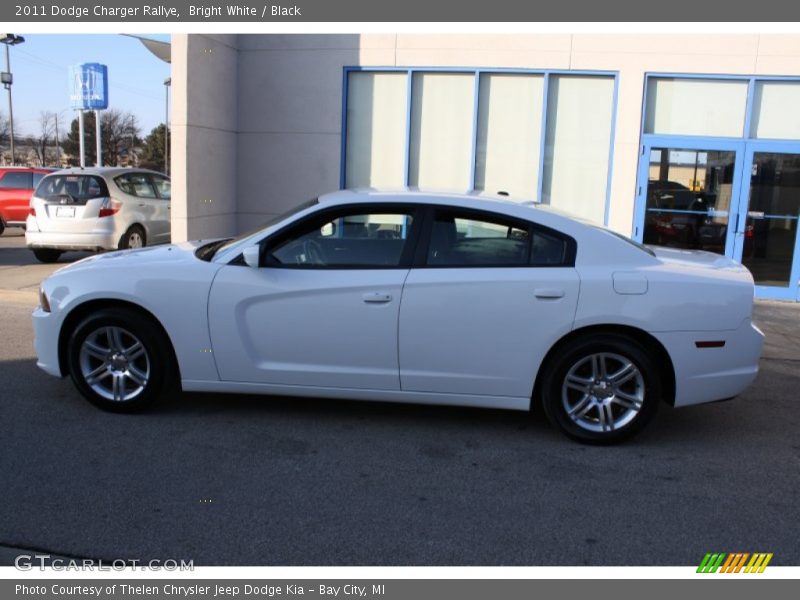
[37, 177]
[16, 179]
[548, 249]
[136, 184]
[163, 186]
[373, 239]
[459, 241]
[79, 187]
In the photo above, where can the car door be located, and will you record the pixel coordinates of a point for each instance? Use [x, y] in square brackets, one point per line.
[486, 299]
[322, 308]
[144, 206]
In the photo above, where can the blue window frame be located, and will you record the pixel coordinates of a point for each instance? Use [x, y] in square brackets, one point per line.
[477, 72]
[744, 146]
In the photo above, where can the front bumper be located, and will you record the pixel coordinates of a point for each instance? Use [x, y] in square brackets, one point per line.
[45, 341]
[710, 374]
[71, 241]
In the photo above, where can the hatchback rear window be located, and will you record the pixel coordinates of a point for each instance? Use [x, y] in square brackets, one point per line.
[79, 187]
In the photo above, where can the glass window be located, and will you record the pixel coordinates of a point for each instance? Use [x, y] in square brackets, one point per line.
[163, 186]
[37, 177]
[79, 187]
[695, 107]
[577, 144]
[136, 184]
[376, 129]
[509, 134]
[358, 240]
[442, 107]
[775, 110]
[689, 194]
[17, 180]
[458, 241]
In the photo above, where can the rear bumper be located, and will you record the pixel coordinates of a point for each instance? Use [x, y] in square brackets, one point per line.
[711, 374]
[45, 341]
[95, 240]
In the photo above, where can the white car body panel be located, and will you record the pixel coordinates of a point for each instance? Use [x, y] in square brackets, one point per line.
[309, 332]
[84, 229]
[482, 331]
[304, 327]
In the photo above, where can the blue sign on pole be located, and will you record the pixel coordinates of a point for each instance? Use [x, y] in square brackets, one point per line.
[88, 86]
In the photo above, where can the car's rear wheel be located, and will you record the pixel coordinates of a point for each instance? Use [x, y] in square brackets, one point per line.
[120, 360]
[47, 255]
[602, 388]
[133, 238]
[2, 227]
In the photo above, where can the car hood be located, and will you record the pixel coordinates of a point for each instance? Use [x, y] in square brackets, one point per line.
[139, 257]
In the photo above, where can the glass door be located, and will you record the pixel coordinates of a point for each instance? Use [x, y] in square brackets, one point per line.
[766, 239]
[687, 188]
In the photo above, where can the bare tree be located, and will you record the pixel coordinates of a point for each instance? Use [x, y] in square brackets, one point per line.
[44, 137]
[5, 130]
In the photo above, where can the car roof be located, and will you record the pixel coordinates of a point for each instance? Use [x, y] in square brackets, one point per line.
[106, 171]
[26, 169]
[517, 207]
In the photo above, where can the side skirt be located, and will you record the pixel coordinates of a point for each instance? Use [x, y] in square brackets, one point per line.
[235, 387]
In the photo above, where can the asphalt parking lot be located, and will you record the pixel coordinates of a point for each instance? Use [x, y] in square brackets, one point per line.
[250, 480]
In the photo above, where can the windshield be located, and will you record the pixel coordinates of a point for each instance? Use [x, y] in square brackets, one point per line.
[273, 221]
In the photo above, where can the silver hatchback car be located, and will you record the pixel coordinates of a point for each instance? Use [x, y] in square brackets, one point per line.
[99, 208]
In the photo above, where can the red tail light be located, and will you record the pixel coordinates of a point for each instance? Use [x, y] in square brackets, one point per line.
[109, 207]
[31, 212]
[748, 231]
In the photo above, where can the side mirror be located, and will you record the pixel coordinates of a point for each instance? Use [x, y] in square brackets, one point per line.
[252, 256]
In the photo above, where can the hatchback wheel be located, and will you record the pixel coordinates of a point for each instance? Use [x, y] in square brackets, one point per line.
[133, 238]
[47, 255]
[601, 389]
[120, 361]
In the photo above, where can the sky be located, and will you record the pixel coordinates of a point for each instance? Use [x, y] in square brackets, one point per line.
[41, 64]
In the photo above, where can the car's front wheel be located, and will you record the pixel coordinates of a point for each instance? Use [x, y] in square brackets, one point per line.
[601, 388]
[120, 360]
[47, 255]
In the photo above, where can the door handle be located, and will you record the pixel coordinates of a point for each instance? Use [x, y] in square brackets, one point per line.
[376, 298]
[548, 293]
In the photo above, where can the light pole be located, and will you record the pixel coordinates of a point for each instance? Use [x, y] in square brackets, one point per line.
[7, 78]
[167, 84]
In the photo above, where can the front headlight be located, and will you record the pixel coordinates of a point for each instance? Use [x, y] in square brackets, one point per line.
[43, 301]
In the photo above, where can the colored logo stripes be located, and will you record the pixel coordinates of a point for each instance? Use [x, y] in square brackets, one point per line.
[734, 562]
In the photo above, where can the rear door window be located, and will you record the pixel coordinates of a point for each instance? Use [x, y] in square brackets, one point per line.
[136, 184]
[17, 180]
[79, 188]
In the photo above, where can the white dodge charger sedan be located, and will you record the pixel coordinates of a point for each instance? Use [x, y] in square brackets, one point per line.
[410, 297]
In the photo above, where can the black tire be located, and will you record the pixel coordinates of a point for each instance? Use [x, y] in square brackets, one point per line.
[161, 371]
[2, 227]
[574, 359]
[47, 255]
[128, 239]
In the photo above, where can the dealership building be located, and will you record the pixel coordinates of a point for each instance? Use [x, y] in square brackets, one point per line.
[691, 141]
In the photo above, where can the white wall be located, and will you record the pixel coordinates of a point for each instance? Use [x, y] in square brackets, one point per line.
[273, 138]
